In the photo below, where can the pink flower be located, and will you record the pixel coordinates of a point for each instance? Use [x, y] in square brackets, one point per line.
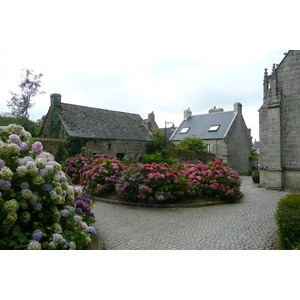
[78, 190]
[161, 197]
[37, 148]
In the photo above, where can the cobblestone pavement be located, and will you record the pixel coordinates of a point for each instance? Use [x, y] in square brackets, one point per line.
[248, 225]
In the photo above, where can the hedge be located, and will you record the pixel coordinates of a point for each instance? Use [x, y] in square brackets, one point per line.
[288, 221]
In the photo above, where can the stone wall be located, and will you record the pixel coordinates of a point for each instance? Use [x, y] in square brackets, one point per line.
[288, 79]
[52, 127]
[239, 143]
[133, 150]
[279, 125]
[219, 148]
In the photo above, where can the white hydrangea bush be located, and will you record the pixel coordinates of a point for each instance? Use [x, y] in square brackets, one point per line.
[37, 209]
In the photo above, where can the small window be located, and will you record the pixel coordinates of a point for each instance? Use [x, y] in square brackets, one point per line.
[120, 156]
[214, 128]
[208, 147]
[185, 130]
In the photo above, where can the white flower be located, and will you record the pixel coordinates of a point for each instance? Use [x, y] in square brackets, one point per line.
[22, 171]
[6, 174]
[34, 245]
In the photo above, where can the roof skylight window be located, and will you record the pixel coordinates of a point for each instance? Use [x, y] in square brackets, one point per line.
[214, 128]
[185, 130]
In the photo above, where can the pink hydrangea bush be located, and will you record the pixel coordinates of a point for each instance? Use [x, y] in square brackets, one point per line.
[213, 180]
[37, 205]
[152, 182]
[72, 166]
[101, 175]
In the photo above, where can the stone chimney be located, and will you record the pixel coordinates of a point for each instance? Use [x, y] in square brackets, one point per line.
[237, 108]
[55, 99]
[187, 113]
[215, 110]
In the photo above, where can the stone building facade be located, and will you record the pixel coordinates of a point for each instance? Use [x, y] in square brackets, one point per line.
[98, 130]
[150, 123]
[279, 119]
[225, 134]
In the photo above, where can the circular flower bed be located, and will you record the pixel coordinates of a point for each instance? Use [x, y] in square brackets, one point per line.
[103, 175]
[37, 205]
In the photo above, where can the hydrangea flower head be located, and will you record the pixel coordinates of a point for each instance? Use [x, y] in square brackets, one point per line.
[78, 190]
[24, 185]
[38, 206]
[72, 246]
[37, 148]
[23, 146]
[2, 163]
[5, 185]
[14, 139]
[64, 213]
[6, 173]
[91, 229]
[77, 219]
[34, 245]
[37, 235]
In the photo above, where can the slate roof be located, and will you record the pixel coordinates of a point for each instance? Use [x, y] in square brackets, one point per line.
[199, 126]
[88, 122]
[169, 131]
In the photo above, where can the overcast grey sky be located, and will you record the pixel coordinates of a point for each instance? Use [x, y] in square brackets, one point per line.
[139, 57]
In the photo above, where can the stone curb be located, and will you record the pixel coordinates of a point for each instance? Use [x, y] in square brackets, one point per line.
[116, 202]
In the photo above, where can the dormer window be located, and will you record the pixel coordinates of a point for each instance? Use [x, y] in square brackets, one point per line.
[185, 130]
[214, 128]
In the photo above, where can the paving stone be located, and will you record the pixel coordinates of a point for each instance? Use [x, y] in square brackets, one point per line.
[247, 225]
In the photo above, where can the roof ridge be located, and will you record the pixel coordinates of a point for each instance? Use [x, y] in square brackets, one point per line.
[103, 109]
[219, 112]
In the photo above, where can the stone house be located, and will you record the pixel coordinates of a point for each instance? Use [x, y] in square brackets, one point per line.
[225, 134]
[279, 120]
[100, 131]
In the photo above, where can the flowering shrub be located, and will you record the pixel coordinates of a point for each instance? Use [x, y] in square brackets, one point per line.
[72, 166]
[101, 175]
[151, 182]
[154, 182]
[37, 205]
[84, 207]
[213, 180]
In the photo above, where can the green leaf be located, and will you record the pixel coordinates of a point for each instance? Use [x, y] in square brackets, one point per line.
[12, 243]
[22, 238]
[45, 245]
[15, 233]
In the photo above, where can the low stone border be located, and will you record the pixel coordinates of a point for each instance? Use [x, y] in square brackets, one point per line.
[116, 202]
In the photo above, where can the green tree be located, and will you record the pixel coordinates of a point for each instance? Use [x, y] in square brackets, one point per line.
[30, 126]
[30, 86]
[157, 142]
[254, 154]
[192, 143]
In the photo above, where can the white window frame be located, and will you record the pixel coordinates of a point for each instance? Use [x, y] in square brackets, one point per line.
[185, 130]
[214, 128]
